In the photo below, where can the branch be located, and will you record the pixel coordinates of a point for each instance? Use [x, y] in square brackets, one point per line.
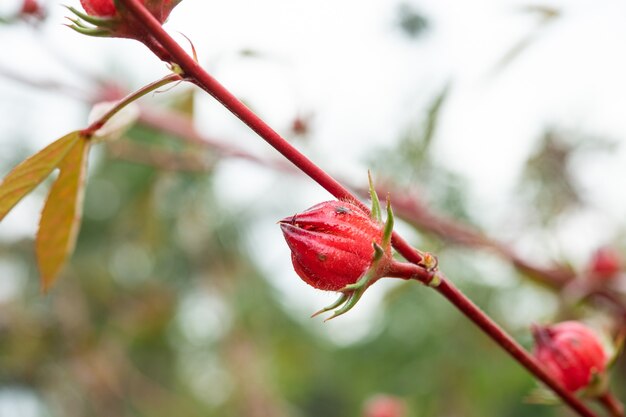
[470, 310]
[160, 158]
[408, 207]
[182, 127]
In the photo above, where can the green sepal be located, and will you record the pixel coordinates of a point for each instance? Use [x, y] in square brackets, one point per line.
[342, 298]
[352, 300]
[375, 213]
[598, 385]
[351, 294]
[388, 230]
[80, 24]
[379, 252]
[96, 21]
[89, 31]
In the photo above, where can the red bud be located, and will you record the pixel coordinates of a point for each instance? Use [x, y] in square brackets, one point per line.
[30, 7]
[331, 243]
[570, 352]
[605, 263]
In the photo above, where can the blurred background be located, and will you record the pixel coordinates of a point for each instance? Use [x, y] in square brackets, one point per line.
[497, 127]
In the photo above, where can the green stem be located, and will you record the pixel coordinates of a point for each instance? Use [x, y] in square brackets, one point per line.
[155, 85]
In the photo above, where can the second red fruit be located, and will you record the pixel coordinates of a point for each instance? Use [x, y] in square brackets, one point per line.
[570, 352]
[606, 263]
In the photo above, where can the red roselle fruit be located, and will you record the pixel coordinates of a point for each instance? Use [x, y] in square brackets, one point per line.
[107, 18]
[337, 246]
[570, 352]
[606, 263]
[331, 243]
[99, 8]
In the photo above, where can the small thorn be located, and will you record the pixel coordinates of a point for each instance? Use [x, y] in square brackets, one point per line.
[193, 48]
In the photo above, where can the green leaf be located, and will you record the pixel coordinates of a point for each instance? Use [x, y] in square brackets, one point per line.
[31, 172]
[60, 219]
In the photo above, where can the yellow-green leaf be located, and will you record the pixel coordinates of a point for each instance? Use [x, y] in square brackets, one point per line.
[60, 219]
[31, 172]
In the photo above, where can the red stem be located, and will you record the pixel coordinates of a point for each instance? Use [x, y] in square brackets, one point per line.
[407, 206]
[446, 288]
[487, 325]
[197, 75]
[612, 405]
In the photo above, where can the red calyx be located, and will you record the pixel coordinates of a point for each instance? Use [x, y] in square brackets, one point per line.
[99, 8]
[570, 352]
[331, 243]
[606, 263]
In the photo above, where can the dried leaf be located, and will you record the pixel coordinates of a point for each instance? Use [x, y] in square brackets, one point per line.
[31, 172]
[60, 219]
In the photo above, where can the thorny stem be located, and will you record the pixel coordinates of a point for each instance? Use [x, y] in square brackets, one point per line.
[92, 128]
[196, 74]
